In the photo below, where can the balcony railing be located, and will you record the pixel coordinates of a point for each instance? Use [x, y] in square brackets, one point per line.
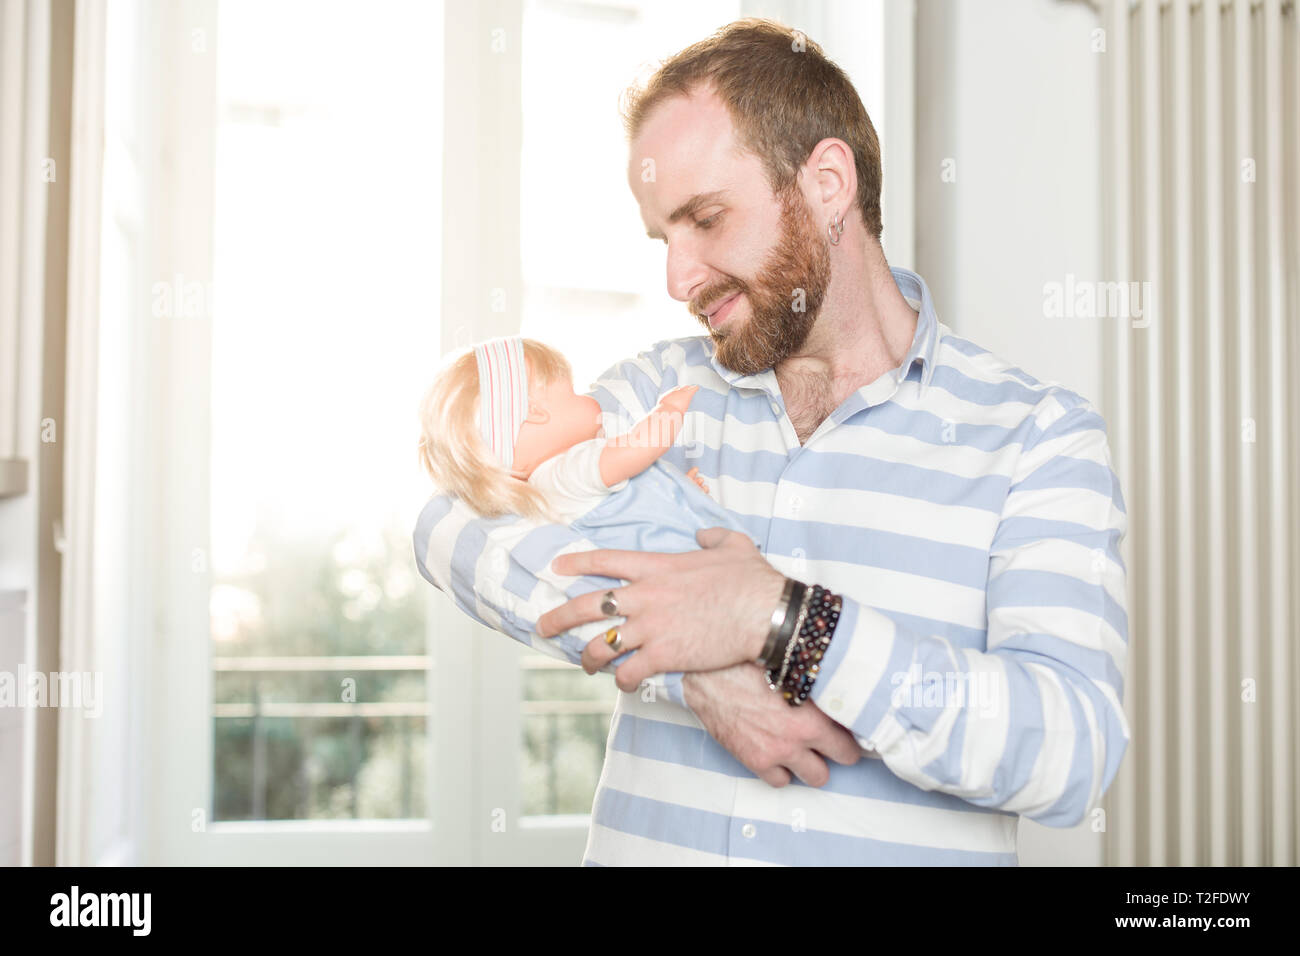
[542, 796]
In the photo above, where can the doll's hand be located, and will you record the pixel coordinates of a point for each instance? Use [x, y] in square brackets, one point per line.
[659, 429]
[694, 475]
[678, 399]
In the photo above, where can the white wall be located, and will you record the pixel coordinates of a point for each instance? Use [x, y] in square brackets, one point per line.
[1010, 93]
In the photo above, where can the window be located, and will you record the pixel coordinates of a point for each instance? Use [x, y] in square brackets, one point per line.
[324, 325]
[355, 715]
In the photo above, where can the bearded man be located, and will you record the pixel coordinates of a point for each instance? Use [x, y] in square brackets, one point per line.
[929, 641]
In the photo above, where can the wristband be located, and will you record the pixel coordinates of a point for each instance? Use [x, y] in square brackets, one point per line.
[774, 654]
[817, 627]
[779, 614]
[777, 670]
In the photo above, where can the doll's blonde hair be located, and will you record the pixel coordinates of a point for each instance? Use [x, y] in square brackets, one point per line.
[452, 449]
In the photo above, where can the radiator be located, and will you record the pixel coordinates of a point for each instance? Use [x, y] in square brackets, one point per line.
[1202, 173]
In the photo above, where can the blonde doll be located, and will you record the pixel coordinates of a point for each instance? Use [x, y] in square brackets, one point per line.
[503, 430]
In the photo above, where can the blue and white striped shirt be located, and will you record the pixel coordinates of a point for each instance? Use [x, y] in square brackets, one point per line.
[968, 515]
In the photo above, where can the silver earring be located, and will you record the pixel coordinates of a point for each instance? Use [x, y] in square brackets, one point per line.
[834, 230]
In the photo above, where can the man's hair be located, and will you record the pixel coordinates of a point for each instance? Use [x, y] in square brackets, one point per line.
[784, 97]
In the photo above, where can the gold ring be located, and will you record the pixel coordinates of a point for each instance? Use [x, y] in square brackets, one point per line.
[613, 640]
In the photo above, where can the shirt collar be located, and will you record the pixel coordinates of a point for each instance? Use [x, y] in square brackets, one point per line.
[924, 341]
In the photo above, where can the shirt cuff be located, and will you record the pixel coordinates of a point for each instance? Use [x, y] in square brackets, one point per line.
[854, 685]
[670, 687]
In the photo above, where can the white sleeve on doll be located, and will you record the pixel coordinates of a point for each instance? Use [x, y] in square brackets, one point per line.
[571, 481]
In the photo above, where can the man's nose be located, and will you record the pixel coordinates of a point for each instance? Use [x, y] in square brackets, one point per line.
[686, 272]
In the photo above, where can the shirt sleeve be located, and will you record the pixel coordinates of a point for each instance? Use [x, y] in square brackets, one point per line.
[497, 570]
[571, 481]
[1033, 724]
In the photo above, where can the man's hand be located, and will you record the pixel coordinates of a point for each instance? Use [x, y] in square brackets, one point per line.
[762, 731]
[697, 611]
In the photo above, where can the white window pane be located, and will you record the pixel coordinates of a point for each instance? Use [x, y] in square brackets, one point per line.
[325, 329]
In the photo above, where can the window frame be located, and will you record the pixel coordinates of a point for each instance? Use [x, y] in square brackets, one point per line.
[473, 739]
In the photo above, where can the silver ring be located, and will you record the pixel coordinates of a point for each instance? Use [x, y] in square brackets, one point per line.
[614, 640]
[609, 605]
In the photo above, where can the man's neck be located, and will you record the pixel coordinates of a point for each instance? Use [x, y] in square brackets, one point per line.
[864, 329]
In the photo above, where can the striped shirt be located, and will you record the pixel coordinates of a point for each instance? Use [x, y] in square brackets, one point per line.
[970, 519]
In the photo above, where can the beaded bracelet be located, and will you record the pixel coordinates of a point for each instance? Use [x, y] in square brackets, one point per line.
[812, 638]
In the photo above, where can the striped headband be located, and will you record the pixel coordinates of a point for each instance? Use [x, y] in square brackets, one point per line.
[503, 394]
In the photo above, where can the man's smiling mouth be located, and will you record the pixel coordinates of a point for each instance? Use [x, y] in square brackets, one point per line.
[724, 307]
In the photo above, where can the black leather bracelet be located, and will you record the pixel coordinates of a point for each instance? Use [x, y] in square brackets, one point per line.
[779, 615]
[776, 654]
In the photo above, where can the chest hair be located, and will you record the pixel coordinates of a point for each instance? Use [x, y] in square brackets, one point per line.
[808, 401]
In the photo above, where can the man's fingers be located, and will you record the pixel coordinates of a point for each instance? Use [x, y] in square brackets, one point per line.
[839, 745]
[628, 565]
[598, 652]
[775, 776]
[629, 675]
[584, 609]
[810, 768]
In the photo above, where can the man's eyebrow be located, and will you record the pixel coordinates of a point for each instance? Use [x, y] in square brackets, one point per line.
[688, 208]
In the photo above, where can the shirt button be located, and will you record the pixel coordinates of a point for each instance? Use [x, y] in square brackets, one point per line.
[749, 831]
[834, 703]
[776, 408]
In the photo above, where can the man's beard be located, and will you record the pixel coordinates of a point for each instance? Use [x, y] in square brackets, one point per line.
[774, 330]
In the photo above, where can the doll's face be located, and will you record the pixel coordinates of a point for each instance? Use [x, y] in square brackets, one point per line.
[557, 420]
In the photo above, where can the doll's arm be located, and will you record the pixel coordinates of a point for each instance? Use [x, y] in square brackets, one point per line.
[632, 453]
